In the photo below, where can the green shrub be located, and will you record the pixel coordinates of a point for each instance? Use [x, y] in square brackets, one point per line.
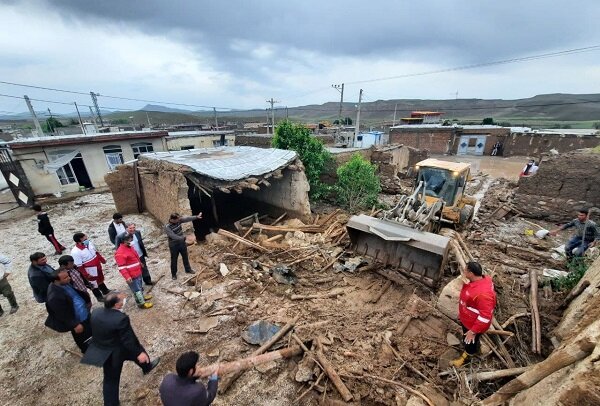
[310, 150]
[358, 185]
[577, 268]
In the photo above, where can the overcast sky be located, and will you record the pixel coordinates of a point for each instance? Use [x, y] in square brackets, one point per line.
[239, 53]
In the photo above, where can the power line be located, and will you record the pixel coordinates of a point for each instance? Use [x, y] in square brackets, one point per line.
[482, 64]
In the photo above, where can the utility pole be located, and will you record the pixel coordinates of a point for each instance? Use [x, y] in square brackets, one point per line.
[93, 116]
[50, 123]
[38, 127]
[287, 113]
[148, 118]
[340, 88]
[216, 121]
[271, 102]
[95, 101]
[395, 108]
[357, 130]
[80, 121]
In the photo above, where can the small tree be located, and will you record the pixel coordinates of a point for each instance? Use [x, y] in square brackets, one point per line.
[51, 125]
[358, 185]
[311, 151]
[488, 121]
[347, 121]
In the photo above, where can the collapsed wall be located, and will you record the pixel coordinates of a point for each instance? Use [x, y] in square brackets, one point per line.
[579, 330]
[562, 184]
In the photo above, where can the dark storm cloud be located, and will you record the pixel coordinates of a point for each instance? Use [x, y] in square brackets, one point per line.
[466, 30]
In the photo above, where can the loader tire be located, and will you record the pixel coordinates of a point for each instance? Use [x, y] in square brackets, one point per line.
[466, 214]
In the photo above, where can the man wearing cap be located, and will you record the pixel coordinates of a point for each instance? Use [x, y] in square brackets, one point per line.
[177, 244]
[587, 234]
[183, 388]
[69, 309]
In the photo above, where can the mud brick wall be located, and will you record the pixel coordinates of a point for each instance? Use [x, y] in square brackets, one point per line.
[329, 173]
[164, 189]
[120, 183]
[534, 144]
[563, 184]
[435, 140]
[264, 141]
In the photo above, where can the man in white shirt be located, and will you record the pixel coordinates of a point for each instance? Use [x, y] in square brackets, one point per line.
[5, 287]
[116, 227]
[138, 246]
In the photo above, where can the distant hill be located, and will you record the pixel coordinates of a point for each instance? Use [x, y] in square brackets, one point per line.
[542, 110]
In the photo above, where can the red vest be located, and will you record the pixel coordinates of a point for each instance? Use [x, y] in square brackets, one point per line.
[128, 262]
[476, 306]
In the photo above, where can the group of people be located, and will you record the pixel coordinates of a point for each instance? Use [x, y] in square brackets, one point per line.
[105, 335]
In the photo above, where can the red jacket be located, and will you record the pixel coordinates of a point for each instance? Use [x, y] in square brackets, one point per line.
[128, 262]
[476, 306]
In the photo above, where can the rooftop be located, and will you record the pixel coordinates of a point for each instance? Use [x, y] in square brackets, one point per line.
[335, 150]
[180, 134]
[438, 163]
[82, 138]
[228, 163]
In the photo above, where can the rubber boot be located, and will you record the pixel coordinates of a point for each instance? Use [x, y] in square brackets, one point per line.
[98, 294]
[460, 361]
[139, 299]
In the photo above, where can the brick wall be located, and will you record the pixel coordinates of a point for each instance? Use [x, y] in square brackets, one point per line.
[435, 140]
[120, 183]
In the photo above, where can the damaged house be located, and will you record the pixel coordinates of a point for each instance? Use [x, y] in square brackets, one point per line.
[224, 183]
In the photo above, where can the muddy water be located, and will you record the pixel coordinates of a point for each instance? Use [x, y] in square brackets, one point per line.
[496, 167]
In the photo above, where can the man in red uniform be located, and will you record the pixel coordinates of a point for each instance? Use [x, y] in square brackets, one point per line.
[130, 266]
[475, 309]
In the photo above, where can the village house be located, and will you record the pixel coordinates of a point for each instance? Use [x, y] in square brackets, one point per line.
[70, 163]
[180, 140]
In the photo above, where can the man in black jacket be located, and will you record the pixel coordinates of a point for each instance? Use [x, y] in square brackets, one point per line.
[116, 227]
[46, 229]
[69, 309]
[183, 389]
[114, 342]
[40, 276]
[177, 243]
[138, 245]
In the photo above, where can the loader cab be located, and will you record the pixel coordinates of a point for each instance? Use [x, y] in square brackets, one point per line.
[446, 181]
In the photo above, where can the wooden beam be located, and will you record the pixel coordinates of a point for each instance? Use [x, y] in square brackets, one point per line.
[242, 240]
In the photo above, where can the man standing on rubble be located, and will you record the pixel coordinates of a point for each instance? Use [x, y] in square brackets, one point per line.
[177, 243]
[587, 234]
[5, 288]
[46, 229]
[40, 276]
[475, 309]
[115, 228]
[130, 266]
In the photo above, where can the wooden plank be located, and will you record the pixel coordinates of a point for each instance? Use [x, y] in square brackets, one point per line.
[242, 240]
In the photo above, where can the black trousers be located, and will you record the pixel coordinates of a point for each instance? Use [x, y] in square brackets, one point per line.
[472, 348]
[112, 376]
[145, 272]
[58, 247]
[179, 247]
[83, 339]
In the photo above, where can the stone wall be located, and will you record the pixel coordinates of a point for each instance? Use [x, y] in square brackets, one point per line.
[563, 184]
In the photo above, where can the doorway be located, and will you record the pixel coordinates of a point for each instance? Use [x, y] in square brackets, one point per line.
[471, 145]
[81, 173]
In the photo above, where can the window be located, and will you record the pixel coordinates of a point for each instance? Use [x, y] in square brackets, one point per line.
[66, 174]
[187, 147]
[141, 148]
[114, 156]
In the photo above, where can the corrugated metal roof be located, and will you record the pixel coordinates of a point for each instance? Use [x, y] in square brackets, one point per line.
[228, 163]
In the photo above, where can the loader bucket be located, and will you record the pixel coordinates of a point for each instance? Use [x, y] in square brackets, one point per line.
[418, 254]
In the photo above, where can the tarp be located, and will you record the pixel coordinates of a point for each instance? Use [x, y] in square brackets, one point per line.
[60, 162]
